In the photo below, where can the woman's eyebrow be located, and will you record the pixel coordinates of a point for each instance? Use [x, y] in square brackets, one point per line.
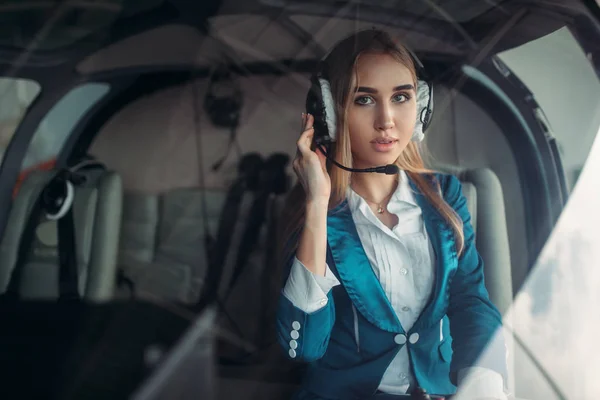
[366, 89]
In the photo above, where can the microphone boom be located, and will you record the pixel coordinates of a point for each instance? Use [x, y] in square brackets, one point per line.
[389, 169]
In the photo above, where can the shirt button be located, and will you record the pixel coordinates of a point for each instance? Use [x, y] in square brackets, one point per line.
[403, 375]
[296, 325]
[414, 338]
[292, 353]
[293, 344]
[405, 308]
[322, 302]
[400, 339]
[404, 271]
[294, 334]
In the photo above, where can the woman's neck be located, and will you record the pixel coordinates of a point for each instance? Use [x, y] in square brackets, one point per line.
[374, 187]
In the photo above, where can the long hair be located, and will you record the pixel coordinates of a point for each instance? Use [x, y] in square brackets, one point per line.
[340, 67]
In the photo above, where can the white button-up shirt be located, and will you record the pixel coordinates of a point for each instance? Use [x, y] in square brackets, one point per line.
[403, 260]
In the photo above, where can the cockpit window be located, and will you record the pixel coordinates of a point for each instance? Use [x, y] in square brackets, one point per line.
[16, 95]
[563, 81]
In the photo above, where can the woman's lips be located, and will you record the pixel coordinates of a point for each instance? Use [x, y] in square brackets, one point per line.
[384, 145]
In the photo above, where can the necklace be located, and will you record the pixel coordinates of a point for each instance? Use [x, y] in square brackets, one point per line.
[380, 207]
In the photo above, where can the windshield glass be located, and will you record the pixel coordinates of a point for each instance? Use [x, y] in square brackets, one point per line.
[554, 316]
[571, 112]
[15, 97]
[429, 224]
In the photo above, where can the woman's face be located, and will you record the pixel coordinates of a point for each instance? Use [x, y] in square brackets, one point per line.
[383, 111]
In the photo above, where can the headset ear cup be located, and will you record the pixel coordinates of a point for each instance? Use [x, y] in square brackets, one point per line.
[423, 99]
[316, 107]
[329, 108]
[58, 200]
[429, 109]
[426, 118]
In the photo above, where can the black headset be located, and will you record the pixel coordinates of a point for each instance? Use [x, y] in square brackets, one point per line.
[319, 103]
[223, 101]
[58, 195]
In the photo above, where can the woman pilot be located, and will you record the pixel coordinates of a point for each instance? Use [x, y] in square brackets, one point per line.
[384, 289]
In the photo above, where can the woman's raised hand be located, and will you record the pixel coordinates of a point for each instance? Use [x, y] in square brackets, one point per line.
[310, 166]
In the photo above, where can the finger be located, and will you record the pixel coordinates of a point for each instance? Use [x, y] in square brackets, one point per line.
[310, 124]
[307, 135]
[322, 159]
[304, 133]
[305, 141]
[304, 146]
[303, 124]
[310, 120]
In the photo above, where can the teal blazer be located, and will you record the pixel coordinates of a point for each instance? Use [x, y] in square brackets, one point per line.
[341, 368]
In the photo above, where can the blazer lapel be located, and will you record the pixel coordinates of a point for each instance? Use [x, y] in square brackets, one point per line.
[356, 273]
[442, 240]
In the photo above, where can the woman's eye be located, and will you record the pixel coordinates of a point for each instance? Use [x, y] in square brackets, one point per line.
[363, 100]
[401, 98]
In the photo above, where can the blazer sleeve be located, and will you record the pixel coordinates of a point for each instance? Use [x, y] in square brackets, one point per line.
[474, 320]
[303, 336]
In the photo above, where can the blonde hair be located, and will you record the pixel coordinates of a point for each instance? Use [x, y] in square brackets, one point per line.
[340, 69]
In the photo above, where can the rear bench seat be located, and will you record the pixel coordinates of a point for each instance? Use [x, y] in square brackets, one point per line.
[162, 242]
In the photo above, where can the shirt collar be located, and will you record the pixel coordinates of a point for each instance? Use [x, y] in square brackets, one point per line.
[402, 203]
[403, 192]
[403, 195]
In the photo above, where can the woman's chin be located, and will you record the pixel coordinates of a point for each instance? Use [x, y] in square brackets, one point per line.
[384, 159]
[376, 162]
[375, 159]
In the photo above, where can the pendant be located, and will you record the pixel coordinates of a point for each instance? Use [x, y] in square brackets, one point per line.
[380, 210]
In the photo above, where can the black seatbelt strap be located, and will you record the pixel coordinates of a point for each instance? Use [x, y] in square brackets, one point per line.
[227, 221]
[250, 237]
[68, 277]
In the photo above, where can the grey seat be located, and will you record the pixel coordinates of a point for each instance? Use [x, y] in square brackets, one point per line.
[162, 248]
[485, 201]
[97, 214]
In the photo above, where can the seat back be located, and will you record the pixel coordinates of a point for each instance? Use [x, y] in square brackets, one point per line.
[97, 207]
[485, 201]
[162, 249]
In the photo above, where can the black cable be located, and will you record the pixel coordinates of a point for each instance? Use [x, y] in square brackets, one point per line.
[232, 141]
[389, 169]
[208, 240]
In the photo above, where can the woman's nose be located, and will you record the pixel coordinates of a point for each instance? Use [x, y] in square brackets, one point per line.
[385, 118]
